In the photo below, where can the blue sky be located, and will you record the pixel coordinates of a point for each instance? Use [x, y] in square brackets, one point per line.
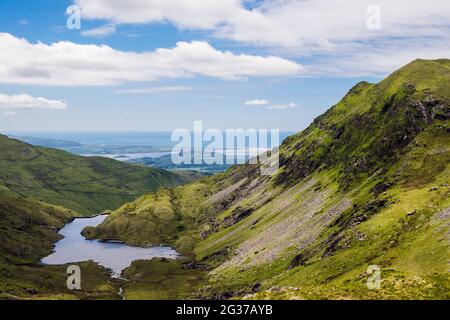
[137, 76]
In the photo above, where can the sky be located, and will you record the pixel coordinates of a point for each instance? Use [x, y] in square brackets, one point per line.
[160, 65]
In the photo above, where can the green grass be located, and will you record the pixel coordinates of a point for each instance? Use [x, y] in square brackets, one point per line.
[159, 279]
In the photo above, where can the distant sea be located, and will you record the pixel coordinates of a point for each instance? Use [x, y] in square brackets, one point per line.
[154, 139]
[122, 146]
[149, 139]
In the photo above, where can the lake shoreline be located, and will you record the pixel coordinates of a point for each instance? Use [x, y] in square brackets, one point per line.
[111, 254]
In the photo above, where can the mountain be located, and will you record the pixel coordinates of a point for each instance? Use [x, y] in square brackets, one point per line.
[365, 187]
[40, 191]
[48, 143]
[88, 185]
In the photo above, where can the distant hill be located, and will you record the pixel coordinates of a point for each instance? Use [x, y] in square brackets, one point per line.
[48, 143]
[165, 162]
[88, 185]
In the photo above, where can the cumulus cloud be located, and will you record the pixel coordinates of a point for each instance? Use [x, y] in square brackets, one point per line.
[100, 32]
[66, 63]
[257, 102]
[154, 90]
[25, 101]
[335, 31]
[291, 105]
[281, 22]
[201, 14]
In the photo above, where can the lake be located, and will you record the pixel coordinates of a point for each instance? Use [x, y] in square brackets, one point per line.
[112, 255]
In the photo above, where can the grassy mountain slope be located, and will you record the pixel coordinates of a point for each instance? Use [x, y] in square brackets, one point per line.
[86, 185]
[366, 184]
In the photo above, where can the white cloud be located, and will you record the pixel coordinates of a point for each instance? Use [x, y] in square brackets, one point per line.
[315, 23]
[379, 60]
[334, 32]
[291, 105]
[262, 102]
[201, 14]
[257, 102]
[154, 90]
[100, 32]
[9, 113]
[67, 64]
[25, 101]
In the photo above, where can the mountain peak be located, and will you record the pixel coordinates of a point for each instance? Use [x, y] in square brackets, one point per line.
[427, 76]
[371, 124]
